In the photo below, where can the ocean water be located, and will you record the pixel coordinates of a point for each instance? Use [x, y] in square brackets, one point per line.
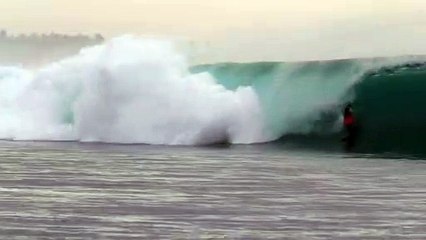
[103, 191]
[125, 140]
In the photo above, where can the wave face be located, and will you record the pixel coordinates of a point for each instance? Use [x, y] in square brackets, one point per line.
[390, 107]
[128, 90]
[302, 102]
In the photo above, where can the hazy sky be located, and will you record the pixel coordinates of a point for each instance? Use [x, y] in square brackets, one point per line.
[240, 29]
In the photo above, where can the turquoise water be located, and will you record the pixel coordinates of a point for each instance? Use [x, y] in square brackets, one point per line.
[305, 100]
[101, 191]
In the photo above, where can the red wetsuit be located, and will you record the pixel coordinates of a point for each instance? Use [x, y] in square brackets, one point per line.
[348, 120]
[350, 127]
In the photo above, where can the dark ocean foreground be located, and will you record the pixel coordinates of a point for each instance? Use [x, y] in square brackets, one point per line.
[271, 191]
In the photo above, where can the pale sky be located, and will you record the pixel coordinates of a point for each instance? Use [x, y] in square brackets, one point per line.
[240, 30]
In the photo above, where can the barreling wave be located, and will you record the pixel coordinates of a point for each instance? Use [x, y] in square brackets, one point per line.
[132, 90]
[302, 102]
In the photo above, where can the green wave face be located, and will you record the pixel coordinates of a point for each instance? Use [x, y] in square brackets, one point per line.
[390, 106]
[305, 99]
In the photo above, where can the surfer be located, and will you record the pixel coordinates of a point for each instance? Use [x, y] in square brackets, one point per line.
[349, 124]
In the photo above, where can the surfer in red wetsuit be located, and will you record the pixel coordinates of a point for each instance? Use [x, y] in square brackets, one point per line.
[349, 124]
[348, 117]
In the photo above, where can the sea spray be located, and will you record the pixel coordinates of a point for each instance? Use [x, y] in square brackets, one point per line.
[128, 90]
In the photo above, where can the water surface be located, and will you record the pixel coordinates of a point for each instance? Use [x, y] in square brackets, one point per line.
[101, 191]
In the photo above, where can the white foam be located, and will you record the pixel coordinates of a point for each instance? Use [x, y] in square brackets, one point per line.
[128, 90]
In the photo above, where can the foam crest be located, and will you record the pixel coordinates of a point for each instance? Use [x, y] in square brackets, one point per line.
[128, 90]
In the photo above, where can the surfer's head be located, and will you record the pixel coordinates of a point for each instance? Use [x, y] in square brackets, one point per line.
[348, 108]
